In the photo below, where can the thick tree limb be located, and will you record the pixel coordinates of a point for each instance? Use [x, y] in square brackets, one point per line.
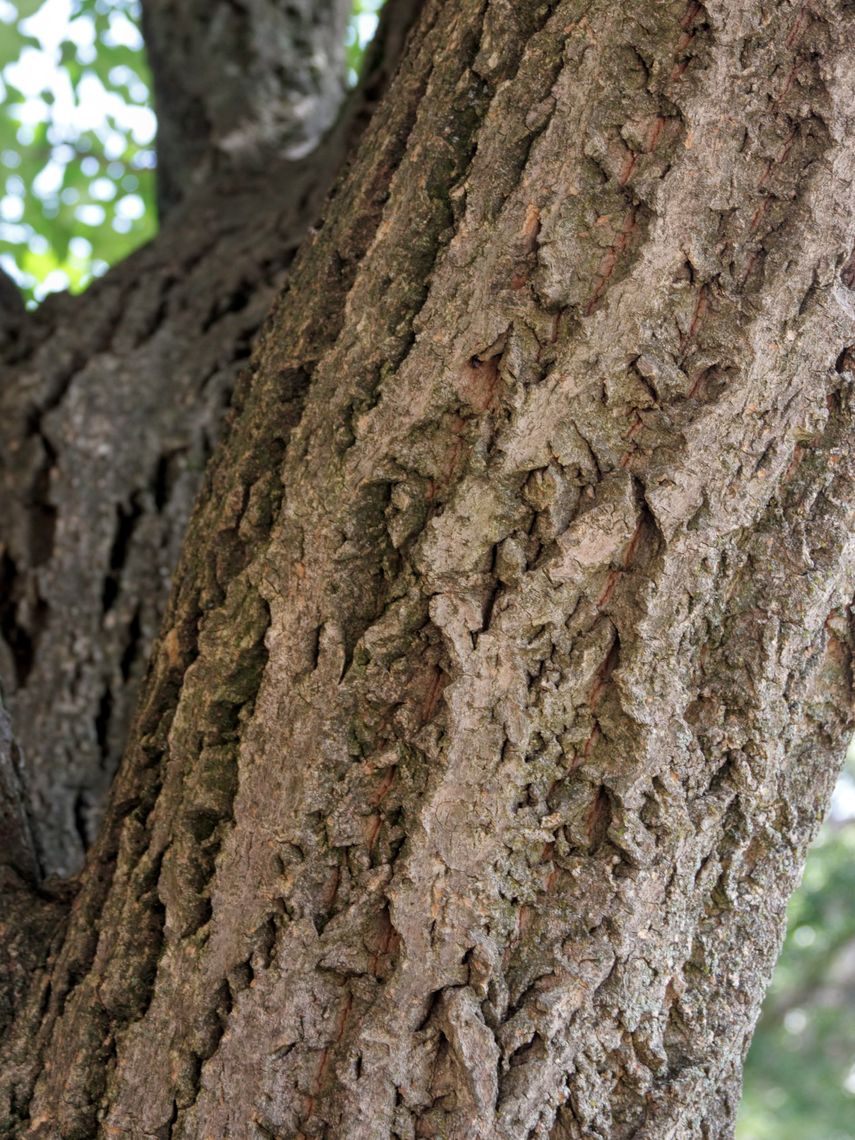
[240, 83]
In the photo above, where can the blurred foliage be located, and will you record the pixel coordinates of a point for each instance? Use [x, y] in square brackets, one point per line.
[800, 1073]
[363, 22]
[76, 136]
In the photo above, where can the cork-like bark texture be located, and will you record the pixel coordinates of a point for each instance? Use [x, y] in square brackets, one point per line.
[508, 664]
[110, 406]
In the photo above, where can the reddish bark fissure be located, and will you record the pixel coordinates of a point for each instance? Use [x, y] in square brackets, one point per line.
[509, 657]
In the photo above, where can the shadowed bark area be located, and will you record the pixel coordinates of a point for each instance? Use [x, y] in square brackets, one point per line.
[31, 918]
[110, 407]
[17, 848]
[12, 312]
[508, 664]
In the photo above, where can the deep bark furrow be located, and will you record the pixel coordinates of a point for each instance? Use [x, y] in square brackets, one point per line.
[17, 847]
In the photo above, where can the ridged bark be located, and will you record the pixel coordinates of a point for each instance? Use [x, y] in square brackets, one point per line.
[508, 664]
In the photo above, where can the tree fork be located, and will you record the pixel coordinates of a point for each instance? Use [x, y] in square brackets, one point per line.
[507, 668]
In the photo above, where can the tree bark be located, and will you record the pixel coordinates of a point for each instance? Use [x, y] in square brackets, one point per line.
[239, 83]
[111, 405]
[508, 664]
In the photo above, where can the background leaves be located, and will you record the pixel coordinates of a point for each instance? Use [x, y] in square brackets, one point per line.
[77, 159]
[76, 140]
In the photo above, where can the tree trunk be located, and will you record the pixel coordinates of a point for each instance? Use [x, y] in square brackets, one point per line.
[507, 667]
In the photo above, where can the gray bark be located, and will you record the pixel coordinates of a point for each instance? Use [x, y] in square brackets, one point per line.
[237, 84]
[508, 663]
[111, 404]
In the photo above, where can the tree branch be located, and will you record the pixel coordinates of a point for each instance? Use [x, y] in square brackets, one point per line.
[240, 81]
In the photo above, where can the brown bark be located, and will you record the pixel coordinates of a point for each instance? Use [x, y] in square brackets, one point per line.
[110, 407]
[30, 917]
[508, 663]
